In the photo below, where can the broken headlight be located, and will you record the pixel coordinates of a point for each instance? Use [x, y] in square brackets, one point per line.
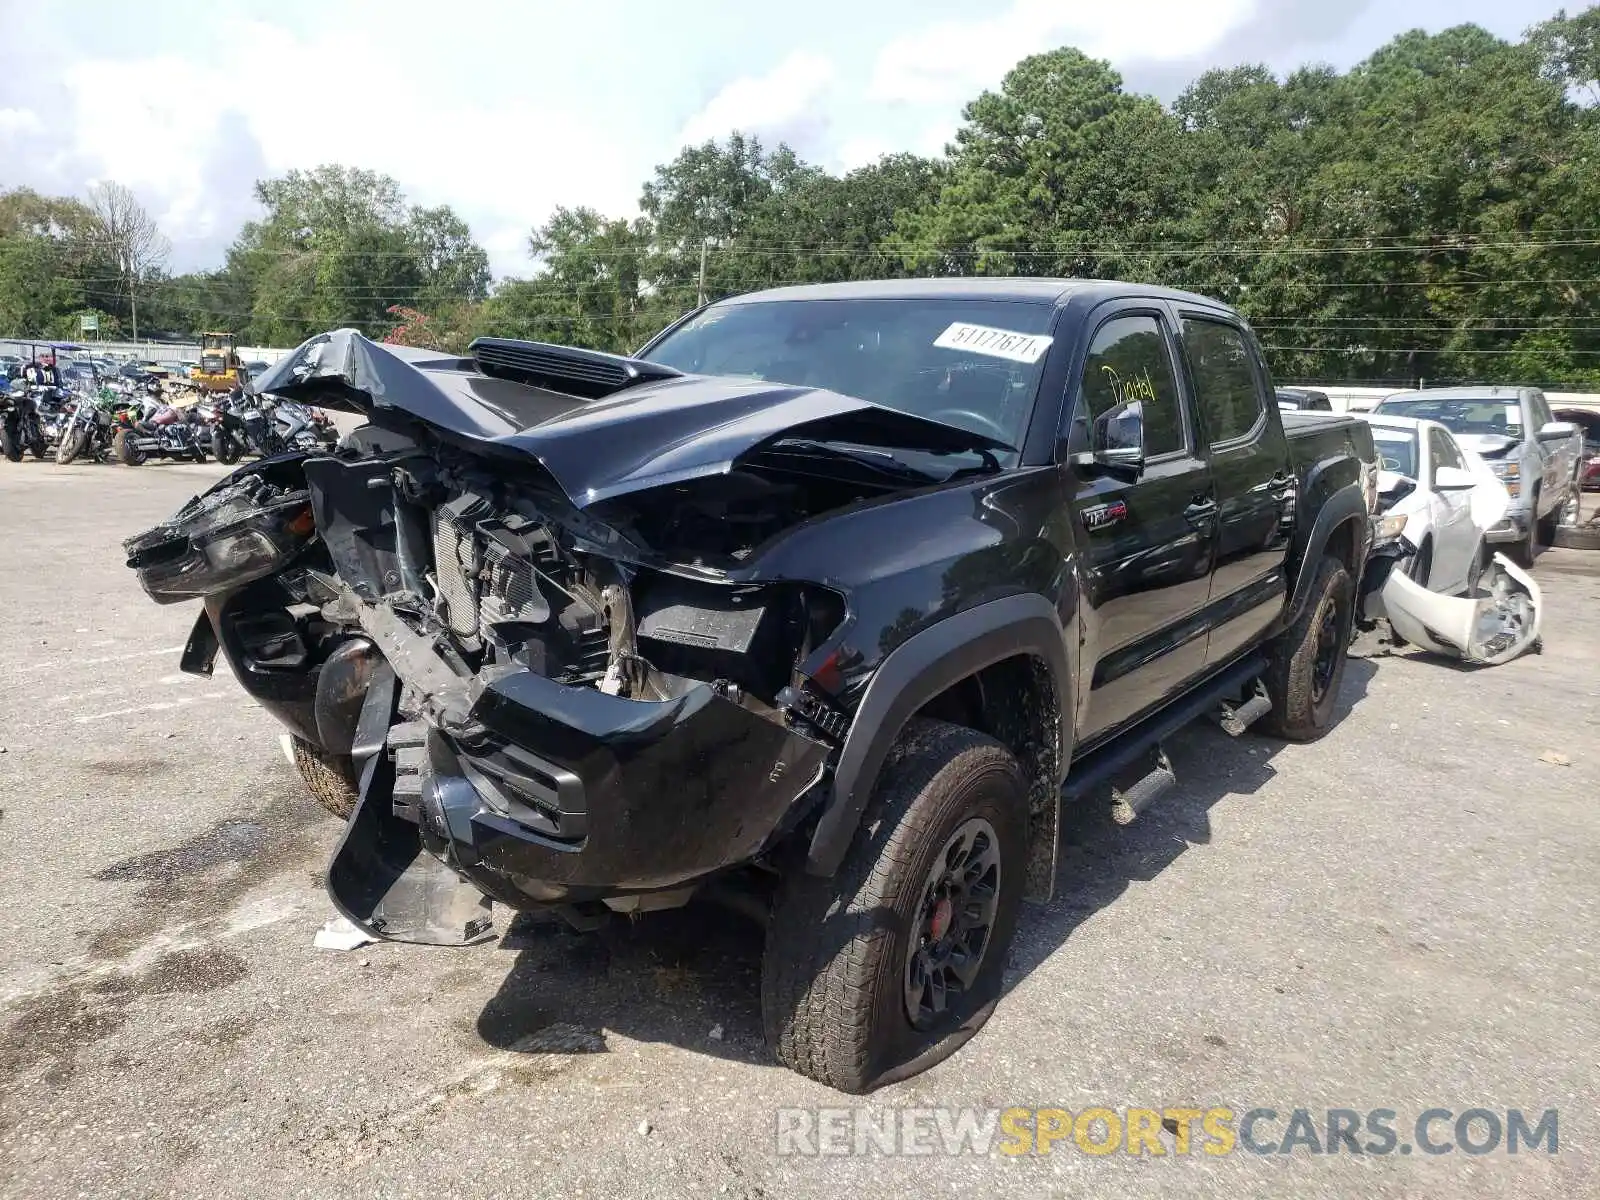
[1388, 526]
[221, 540]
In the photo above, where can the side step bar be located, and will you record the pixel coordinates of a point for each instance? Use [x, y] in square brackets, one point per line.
[1133, 762]
[1145, 791]
[1235, 719]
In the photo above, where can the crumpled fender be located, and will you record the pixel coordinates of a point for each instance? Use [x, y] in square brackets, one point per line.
[1489, 629]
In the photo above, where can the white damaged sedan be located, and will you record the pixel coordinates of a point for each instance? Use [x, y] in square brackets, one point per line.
[1437, 499]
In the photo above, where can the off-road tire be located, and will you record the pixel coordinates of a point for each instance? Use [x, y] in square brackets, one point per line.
[833, 993]
[9, 446]
[1297, 714]
[123, 451]
[331, 778]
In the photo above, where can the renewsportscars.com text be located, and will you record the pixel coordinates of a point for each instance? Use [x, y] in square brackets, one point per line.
[1212, 1132]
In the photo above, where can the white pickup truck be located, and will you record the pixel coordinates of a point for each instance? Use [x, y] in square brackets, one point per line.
[1535, 456]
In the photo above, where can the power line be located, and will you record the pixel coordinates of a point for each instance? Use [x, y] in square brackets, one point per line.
[1402, 350]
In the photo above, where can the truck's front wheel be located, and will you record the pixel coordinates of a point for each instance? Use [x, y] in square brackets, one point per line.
[895, 962]
[1308, 658]
[330, 778]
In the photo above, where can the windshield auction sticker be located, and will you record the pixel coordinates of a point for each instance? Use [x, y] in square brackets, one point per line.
[996, 343]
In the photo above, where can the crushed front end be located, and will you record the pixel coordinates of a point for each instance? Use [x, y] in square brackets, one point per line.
[548, 640]
[551, 722]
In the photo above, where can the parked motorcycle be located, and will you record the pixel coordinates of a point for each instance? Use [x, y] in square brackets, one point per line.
[156, 430]
[250, 423]
[22, 423]
[88, 431]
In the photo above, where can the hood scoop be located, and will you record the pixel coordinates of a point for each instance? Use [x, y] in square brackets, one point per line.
[587, 373]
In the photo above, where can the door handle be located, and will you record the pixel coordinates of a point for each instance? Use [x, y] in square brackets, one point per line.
[1201, 512]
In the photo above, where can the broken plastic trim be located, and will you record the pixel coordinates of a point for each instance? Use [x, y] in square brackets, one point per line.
[1486, 629]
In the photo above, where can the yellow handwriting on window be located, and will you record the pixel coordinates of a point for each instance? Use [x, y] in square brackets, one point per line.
[1126, 391]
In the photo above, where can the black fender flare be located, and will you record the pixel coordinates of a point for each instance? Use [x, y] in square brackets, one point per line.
[1346, 504]
[916, 671]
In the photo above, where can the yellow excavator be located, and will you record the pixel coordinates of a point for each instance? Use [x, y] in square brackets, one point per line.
[219, 369]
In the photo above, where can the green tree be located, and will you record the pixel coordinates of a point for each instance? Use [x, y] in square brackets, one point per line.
[338, 247]
[1053, 175]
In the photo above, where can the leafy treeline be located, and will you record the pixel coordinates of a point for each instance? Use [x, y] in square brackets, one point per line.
[1433, 213]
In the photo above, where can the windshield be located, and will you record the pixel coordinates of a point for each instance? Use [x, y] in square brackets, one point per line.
[1462, 415]
[974, 364]
[1397, 451]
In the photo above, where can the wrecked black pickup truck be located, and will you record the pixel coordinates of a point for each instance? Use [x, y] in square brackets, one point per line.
[825, 600]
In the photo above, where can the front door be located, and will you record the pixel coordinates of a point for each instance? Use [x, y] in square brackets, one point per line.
[1148, 543]
[1455, 534]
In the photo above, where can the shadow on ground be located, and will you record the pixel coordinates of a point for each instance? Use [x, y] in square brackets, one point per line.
[691, 977]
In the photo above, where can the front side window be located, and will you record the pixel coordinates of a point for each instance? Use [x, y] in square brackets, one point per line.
[1129, 364]
[1444, 452]
[1225, 388]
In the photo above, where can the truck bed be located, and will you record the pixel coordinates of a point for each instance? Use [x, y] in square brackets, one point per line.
[1314, 436]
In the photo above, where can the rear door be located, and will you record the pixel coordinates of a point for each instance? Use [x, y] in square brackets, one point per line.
[1249, 459]
[1147, 544]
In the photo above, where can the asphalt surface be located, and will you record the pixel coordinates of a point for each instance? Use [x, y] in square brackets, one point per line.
[1400, 916]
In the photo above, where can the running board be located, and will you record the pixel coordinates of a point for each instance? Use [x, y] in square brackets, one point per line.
[1129, 747]
[1160, 779]
[1235, 719]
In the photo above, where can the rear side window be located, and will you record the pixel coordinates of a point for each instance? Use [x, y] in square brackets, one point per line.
[1128, 361]
[1226, 392]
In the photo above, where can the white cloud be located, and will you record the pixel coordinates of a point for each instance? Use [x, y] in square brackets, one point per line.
[951, 60]
[786, 99]
[150, 122]
[14, 121]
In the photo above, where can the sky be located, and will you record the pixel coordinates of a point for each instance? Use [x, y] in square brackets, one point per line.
[505, 109]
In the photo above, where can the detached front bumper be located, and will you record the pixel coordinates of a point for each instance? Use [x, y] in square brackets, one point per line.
[542, 794]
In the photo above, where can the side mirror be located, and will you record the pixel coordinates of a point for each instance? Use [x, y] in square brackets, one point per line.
[1557, 431]
[1454, 479]
[1116, 442]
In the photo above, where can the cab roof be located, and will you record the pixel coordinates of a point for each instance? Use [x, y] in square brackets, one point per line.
[1019, 289]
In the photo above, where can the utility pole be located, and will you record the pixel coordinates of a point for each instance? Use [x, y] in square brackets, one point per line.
[133, 308]
[701, 298]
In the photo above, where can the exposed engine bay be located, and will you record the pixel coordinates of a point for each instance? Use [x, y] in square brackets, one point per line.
[499, 576]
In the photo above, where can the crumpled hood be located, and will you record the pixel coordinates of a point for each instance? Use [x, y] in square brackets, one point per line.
[641, 437]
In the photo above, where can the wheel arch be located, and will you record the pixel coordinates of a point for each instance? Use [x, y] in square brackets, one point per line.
[1342, 528]
[999, 667]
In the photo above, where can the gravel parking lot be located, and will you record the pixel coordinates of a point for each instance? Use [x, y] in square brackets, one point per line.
[1401, 916]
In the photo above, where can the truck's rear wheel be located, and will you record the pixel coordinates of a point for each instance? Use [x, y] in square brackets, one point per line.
[1308, 659]
[895, 962]
[331, 778]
